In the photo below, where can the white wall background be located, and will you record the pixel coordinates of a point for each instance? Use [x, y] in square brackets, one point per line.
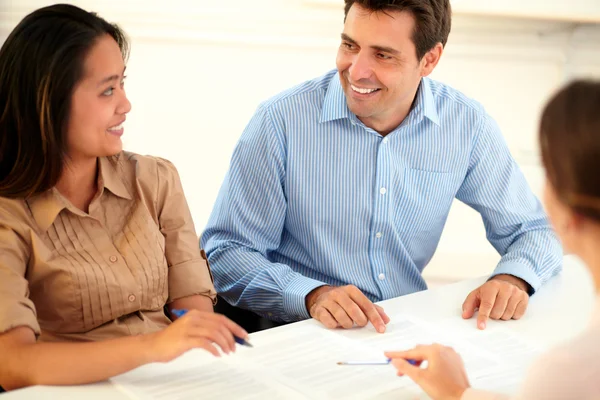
[198, 69]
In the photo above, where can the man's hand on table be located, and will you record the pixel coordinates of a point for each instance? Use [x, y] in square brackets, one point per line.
[343, 307]
[502, 297]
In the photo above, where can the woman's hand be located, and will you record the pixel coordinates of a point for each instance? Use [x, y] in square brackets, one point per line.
[196, 329]
[444, 378]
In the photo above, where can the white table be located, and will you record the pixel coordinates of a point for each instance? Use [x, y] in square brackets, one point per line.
[558, 311]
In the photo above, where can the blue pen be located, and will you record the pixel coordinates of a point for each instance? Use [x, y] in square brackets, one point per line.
[387, 361]
[238, 340]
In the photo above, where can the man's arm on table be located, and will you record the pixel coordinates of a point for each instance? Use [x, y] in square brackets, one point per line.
[247, 223]
[516, 226]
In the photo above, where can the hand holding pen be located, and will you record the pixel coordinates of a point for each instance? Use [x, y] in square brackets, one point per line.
[444, 377]
[238, 339]
[195, 329]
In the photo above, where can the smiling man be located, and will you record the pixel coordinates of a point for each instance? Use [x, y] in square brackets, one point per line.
[339, 188]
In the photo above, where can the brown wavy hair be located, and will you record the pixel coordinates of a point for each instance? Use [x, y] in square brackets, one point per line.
[569, 137]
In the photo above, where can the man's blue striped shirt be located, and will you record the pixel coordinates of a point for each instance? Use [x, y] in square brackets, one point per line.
[315, 197]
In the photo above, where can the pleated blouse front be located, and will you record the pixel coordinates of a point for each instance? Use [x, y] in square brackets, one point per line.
[71, 275]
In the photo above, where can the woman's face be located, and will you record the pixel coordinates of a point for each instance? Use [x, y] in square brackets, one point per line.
[99, 104]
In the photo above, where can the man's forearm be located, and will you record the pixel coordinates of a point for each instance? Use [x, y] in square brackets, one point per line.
[534, 257]
[254, 282]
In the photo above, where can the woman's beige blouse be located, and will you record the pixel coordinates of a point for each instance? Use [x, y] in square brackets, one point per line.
[69, 275]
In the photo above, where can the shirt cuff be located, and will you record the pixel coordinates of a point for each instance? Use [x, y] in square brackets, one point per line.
[474, 394]
[521, 271]
[191, 278]
[20, 313]
[294, 296]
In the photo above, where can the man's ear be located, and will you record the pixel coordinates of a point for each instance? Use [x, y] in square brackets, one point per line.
[430, 59]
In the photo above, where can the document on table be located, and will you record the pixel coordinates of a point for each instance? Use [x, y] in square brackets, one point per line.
[301, 362]
[196, 376]
[516, 356]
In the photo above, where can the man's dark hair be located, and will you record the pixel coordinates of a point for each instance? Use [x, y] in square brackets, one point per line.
[432, 19]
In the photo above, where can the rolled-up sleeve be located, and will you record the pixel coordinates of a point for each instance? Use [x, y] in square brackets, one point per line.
[16, 309]
[189, 272]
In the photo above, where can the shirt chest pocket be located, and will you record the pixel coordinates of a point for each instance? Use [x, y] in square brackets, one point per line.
[425, 198]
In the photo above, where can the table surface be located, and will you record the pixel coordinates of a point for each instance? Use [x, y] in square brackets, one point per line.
[559, 310]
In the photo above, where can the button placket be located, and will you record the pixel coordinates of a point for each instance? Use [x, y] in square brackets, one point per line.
[383, 179]
[116, 262]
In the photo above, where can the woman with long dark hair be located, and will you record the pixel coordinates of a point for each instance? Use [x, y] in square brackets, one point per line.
[97, 245]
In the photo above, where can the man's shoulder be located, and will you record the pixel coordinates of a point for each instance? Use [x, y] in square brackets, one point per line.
[446, 96]
[310, 92]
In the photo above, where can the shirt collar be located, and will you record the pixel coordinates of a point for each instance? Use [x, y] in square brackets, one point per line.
[109, 177]
[425, 104]
[335, 106]
[45, 207]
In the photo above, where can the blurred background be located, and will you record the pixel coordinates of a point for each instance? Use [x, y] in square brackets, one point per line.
[199, 68]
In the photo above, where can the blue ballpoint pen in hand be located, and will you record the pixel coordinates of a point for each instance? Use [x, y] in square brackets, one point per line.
[238, 340]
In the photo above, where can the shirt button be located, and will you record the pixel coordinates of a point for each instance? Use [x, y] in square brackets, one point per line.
[381, 277]
[384, 141]
[113, 259]
[383, 190]
[378, 235]
[131, 298]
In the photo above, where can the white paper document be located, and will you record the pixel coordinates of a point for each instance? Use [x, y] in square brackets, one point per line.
[300, 362]
[196, 376]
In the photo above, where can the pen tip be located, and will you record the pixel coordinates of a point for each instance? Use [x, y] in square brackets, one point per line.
[340, 363]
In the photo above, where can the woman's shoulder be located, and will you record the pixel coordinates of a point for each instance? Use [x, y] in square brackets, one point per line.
[14, 213]
[12, 206]
[569, 369]
[584, 345]
[152, 177]
[18, 221]
[141, 164]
